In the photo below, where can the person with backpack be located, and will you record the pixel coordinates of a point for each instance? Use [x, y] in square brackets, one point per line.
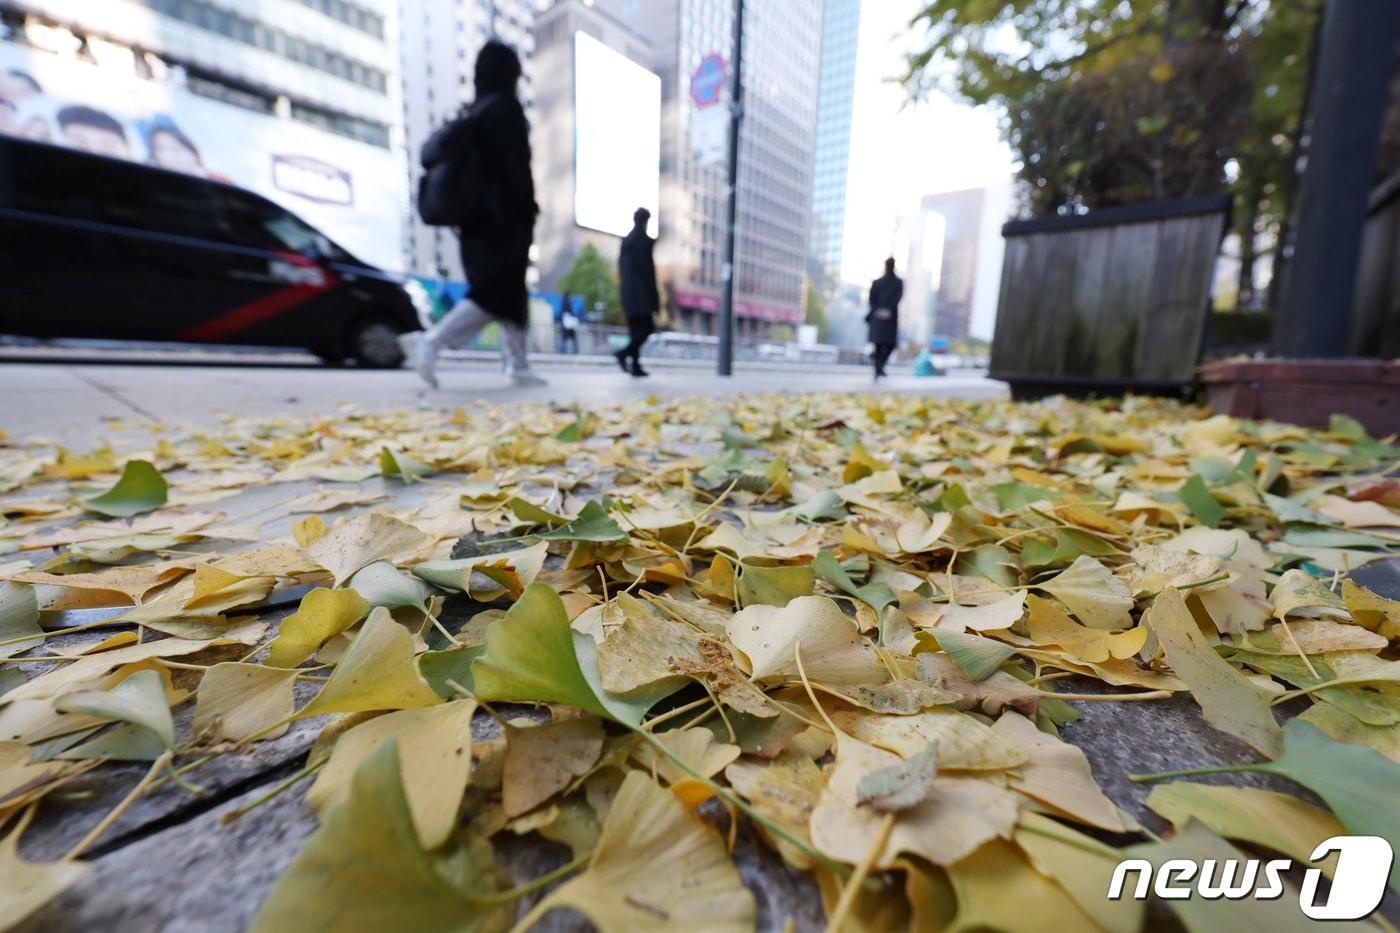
[636, 279]
[477, 180]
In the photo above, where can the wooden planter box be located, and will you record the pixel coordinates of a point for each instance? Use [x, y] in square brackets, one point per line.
[1110, 301]
[1307, 392]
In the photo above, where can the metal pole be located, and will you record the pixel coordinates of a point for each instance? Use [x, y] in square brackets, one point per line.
[1353, 80]
[736, 113]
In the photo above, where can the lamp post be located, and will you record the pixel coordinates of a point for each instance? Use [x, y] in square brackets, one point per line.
[736, 113]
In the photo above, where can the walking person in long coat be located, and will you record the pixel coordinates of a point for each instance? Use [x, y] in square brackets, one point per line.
[496, 253]
[636, 274]
[883, 317]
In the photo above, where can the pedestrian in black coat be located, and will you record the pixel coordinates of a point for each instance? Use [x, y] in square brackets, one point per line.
[636, 276]
[883, 317]
[496, 255]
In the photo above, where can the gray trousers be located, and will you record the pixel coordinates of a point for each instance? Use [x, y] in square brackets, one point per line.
[459, 327]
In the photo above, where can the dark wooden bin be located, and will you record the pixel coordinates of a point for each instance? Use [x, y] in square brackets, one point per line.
[1112, 301]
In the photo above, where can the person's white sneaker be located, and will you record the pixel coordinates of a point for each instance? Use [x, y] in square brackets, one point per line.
[420, 352]
[525, 377]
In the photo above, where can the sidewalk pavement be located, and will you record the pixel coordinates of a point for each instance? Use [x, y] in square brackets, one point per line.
[79, 404]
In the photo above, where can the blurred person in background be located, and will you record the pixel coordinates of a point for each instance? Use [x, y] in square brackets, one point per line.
[568, 324]
[492, 143]
[883, 317]
[636, 277]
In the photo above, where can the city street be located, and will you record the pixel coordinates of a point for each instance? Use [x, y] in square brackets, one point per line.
[78, 403]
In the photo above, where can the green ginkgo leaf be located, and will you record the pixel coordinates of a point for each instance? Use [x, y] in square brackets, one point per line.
[978, 657]
[141, 488]
[365, 868]
[1360, 785]
[138, 700]
[875, 595]
[400, 464]
[1198, 498]
[530, 658]
[592, 524]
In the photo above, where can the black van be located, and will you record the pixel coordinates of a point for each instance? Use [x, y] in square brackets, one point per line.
[97, 247]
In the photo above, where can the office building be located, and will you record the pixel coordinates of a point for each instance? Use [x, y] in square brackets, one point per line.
[597, 137]
[941, 277]
[291, 98]
[831, 154]
[691, 49]
[437, 45]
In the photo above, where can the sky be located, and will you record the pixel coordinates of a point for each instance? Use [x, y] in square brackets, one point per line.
[902, 150]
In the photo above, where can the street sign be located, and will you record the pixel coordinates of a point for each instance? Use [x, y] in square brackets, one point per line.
[707, 83]
[709, 134]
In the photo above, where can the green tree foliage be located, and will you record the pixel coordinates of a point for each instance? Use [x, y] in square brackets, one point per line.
[1107, 102]
[595, 278]
[814, 309]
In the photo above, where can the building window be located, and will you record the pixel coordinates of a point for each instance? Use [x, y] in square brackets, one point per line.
[242, 29]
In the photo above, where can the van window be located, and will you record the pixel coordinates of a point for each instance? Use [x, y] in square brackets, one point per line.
[257, 222]
[47, 180]
[179, 205]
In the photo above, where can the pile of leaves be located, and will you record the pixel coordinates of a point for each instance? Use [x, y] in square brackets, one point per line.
[851, 624]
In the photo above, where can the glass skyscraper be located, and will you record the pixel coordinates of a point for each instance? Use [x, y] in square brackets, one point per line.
[831, 154]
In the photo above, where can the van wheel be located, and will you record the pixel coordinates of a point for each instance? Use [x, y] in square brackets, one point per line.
[374, 344]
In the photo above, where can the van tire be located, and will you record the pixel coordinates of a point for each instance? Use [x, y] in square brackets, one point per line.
[374, 343]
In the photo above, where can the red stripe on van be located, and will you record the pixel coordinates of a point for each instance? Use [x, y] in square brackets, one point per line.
[255, 312]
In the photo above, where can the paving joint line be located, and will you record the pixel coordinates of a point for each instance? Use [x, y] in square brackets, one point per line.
[114, 395]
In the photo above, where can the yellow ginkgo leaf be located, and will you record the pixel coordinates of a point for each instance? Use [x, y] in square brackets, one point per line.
[27, 886]
[958, 815]
[377, 672]
[323, 614]
[696, 747]
[1049, 626]
[832, 650]
[964, 743]
[785, 790]
[997, 889]
[542, 760]
[1058, 774]
[435, 760]
[657, 866]
[216, 585]
[1093, 593]
[363, 540]
[1229, 702]
[308, 530]
[237, 700]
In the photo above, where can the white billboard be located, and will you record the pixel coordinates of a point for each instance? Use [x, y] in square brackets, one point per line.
[341, 186]
[617, 138]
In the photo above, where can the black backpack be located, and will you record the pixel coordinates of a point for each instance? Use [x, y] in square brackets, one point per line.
[451, 192]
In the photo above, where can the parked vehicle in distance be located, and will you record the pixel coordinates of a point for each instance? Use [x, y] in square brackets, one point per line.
[96, 247]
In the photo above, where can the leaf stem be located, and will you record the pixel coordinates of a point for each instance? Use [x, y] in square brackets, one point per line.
[286, 785]
[1106, 697]
[50, 633]
[534, 884]
[115, 813]
[857, 879]
[1193, 772]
